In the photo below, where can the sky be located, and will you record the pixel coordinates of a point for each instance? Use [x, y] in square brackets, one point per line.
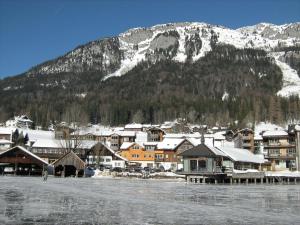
[33, 31]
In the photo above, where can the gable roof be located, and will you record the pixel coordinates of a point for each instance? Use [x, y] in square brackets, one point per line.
[241, 155]
[169, 143]
[25, 151]
[126, 145]
[203, 150]
[113, 152]
[70, 158]
[275, 133]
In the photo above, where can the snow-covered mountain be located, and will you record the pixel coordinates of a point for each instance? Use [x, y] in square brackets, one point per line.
[179, 42]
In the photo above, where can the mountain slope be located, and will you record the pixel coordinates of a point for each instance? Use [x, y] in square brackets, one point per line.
[174, 69]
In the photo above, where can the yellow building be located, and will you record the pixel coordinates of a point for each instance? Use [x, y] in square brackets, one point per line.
[138, 154]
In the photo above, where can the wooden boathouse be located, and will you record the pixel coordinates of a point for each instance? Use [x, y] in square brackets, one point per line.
[20, 161]
[203, 164]
[69, 165]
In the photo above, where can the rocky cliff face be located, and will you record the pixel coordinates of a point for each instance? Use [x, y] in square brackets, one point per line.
[181, 42]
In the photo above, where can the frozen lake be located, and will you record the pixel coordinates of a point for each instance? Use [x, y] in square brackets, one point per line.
[27, 200]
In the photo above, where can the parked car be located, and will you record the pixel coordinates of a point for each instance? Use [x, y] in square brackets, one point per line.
[89, 171]
[116, 169]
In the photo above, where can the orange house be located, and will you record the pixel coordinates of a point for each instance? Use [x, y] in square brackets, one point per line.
[137, 153]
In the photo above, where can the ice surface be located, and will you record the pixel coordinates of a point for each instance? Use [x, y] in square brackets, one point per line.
[27, 200]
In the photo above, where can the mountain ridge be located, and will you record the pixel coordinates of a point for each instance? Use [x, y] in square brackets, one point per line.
[174, 69]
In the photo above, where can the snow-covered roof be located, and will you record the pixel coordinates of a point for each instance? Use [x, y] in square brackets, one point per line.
[165, 126]
[126, 145]
[125, 133]
[169, 143]
[150, 143]
[194, 141]
[35, 135]
[182, 135]
[275, 133]
[54, 143]
[258, 137]
[48, 143]
[219, 135]
[297, 127]
[103, 133]
[203, 150]
[141, 137]
[260, 127]
[241, 155]
[4, 141]
[6, 130]
[134, 126]
[26, 151]
[216, 151]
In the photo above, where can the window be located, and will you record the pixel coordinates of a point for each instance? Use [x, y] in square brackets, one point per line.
[135, 147]
[274, 152]
[135, 156]
[274, 142]
[159, 156]
[291, 151]
[107, 160]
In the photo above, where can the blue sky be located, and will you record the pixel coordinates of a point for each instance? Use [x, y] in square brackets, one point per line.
[33, 31]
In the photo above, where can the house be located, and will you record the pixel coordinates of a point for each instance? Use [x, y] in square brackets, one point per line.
[101, 155]
[22, 121]
[137, 153]
[155, 134]
[20, 161]
[244, 139]
[117, 138]
[205, 159]
[166, 154]
[279, 150]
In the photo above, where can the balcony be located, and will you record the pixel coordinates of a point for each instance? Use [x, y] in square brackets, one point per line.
[248, 138]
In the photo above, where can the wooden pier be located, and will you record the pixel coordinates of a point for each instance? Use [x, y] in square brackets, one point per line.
[241, 178]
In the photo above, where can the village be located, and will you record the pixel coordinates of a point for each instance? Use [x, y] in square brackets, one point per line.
[198, 153]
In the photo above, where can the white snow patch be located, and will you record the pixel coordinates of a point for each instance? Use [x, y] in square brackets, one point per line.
[181, 56]
[291, 80]
[225, 96]
[261, 75]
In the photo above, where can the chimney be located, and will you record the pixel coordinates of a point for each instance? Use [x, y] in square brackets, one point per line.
[202, 138]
